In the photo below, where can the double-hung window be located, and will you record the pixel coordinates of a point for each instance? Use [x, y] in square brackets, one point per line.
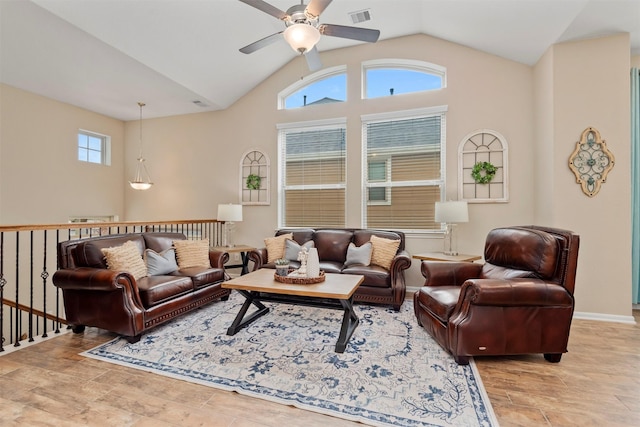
[403, 164]
[312, 174]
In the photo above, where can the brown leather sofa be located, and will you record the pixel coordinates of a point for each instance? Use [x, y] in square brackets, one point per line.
[519, 301]
[380, 285]
[116, 301]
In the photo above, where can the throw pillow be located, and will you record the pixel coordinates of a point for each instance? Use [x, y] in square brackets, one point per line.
[358, 254]
[292, 248]
[275, 246]
[127, 258]
[192, 253]
[383, 251]
[160, 263]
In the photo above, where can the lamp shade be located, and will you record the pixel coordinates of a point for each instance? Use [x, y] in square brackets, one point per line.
[452, 212]
[230, 212]
[301, 37]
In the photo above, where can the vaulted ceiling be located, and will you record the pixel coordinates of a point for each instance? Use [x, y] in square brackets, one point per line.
[106, 55]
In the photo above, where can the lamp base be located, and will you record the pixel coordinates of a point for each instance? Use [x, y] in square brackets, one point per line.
[450, 240]
[228, 234]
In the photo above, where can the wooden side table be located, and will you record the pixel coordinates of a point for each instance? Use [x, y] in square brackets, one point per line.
[440, 256]
[243, 250]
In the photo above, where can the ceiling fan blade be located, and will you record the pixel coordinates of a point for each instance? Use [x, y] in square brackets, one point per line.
[316, 7]
[313, 59]
[354, 33]
[266, 8]
[261, 43]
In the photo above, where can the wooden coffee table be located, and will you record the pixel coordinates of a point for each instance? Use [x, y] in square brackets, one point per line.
[336, 292]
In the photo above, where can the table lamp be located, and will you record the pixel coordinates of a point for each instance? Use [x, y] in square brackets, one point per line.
[229, 214]
[451, 213]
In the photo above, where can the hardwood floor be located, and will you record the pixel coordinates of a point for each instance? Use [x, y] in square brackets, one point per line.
[48, 384]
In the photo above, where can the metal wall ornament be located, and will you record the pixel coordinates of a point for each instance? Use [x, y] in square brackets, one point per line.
[591, 161]
[254, 178]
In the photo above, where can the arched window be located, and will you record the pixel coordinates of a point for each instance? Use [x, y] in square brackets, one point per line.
[325, 86]
[386, 77]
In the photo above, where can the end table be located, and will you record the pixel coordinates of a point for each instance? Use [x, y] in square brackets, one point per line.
[243, 250]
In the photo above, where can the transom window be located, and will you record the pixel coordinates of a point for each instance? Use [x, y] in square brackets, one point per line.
[389, 77]
[324, 87]
[404, 168]
[93, 147]
[312, 174]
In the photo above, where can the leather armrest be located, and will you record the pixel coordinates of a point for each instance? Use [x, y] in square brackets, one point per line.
[97, 279]
[259, 257]
[218, 258]
[515, 292]
[445, 273]
[87, 278]
[400, 262]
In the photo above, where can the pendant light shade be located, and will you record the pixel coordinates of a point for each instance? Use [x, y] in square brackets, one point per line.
[141, 181]
[301, 37]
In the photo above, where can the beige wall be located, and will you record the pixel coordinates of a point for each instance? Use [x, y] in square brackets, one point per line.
[194, 159]
[585, 94]
[41, 180]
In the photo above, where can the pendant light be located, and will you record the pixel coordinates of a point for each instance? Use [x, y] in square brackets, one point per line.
[142, 181]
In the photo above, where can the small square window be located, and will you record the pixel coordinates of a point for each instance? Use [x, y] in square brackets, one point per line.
[93, 148]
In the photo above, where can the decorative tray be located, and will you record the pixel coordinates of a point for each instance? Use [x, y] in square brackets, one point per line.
[299, 280]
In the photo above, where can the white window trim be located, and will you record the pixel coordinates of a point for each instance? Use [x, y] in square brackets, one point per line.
[309, 80]
[105, 149]
[404, 64]
[406, 115]
[310, 125]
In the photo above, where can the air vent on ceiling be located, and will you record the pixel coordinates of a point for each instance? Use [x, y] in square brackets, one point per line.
[200, 104]
[360, 16]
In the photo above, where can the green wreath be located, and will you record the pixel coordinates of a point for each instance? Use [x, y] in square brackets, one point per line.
[486, 177]
[253, 182]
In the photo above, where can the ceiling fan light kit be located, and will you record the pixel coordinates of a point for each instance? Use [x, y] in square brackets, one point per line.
[301, 37]
[304, 30]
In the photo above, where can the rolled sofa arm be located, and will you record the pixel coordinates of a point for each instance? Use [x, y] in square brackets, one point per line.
[259, 258]
[400, 262]
[515, 292]
[445, 273]
[91, 279]
[218, 258]
[98, 280]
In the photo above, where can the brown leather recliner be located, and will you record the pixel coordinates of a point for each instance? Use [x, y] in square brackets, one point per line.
[520, 301]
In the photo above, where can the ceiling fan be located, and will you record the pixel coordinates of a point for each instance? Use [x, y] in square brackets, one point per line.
[303, 29]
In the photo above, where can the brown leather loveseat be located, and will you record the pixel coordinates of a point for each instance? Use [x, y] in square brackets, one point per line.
[95, 295]
[382, 284]
[519, 301]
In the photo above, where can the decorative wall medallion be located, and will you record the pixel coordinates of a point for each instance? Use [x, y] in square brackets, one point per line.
[591, 161]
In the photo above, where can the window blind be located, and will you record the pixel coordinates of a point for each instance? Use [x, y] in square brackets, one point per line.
[413, 147]
[314, 177]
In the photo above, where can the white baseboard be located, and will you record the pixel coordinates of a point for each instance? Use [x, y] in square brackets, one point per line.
[604, 317]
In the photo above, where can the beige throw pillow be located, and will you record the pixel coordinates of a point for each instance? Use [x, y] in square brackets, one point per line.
[127, 258]
[275, 246]
[384, 250]
[192, 253]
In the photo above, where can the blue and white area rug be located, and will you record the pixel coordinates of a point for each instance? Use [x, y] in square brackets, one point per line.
[392, 372]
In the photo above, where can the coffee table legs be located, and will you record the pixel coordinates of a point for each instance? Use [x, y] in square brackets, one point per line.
[350, 320]
[349, 324]
[240, 322]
